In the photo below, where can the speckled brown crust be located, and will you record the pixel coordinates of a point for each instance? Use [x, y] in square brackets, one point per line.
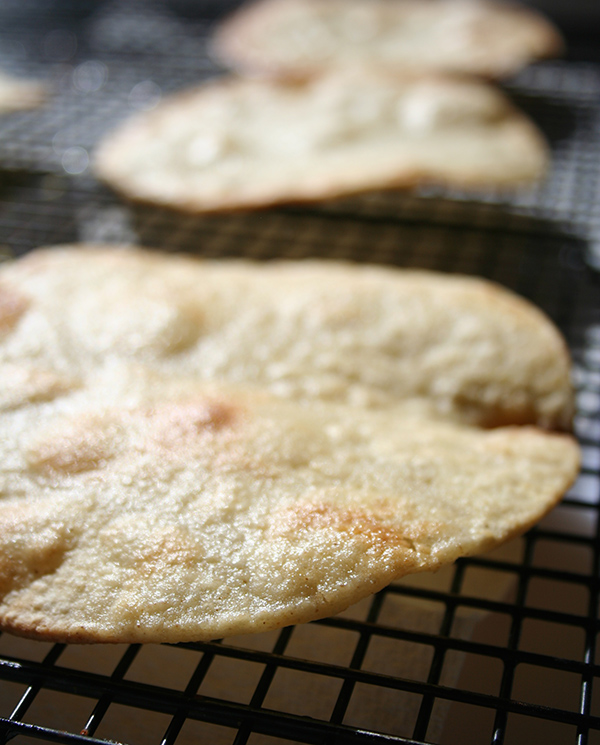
[294, 38]
[151, 495]
[154, 522]
[247, 144]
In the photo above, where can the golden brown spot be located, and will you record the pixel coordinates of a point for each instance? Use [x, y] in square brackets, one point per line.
[12, 307]
[171, 548]
[182, 422]
[352, 523]
[206, 431]
[77, 447]
[495, 414]
[24, 385]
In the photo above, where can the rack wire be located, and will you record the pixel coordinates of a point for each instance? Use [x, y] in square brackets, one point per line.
[501, 648]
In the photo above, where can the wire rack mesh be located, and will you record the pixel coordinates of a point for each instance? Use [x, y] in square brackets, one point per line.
[496, 649]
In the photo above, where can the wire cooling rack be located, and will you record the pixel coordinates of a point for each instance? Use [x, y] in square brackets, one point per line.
[496, 649]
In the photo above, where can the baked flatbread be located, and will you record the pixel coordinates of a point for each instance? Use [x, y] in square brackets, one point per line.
[195, 514]
[305, 37]
[17, 94]
[242, 144]
[357, 335]
[148, 499]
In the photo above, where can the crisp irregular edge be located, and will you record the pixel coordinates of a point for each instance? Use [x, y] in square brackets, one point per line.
[109, 154]
[229, 43]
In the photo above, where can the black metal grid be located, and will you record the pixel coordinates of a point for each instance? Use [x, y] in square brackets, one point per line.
[497, 649]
